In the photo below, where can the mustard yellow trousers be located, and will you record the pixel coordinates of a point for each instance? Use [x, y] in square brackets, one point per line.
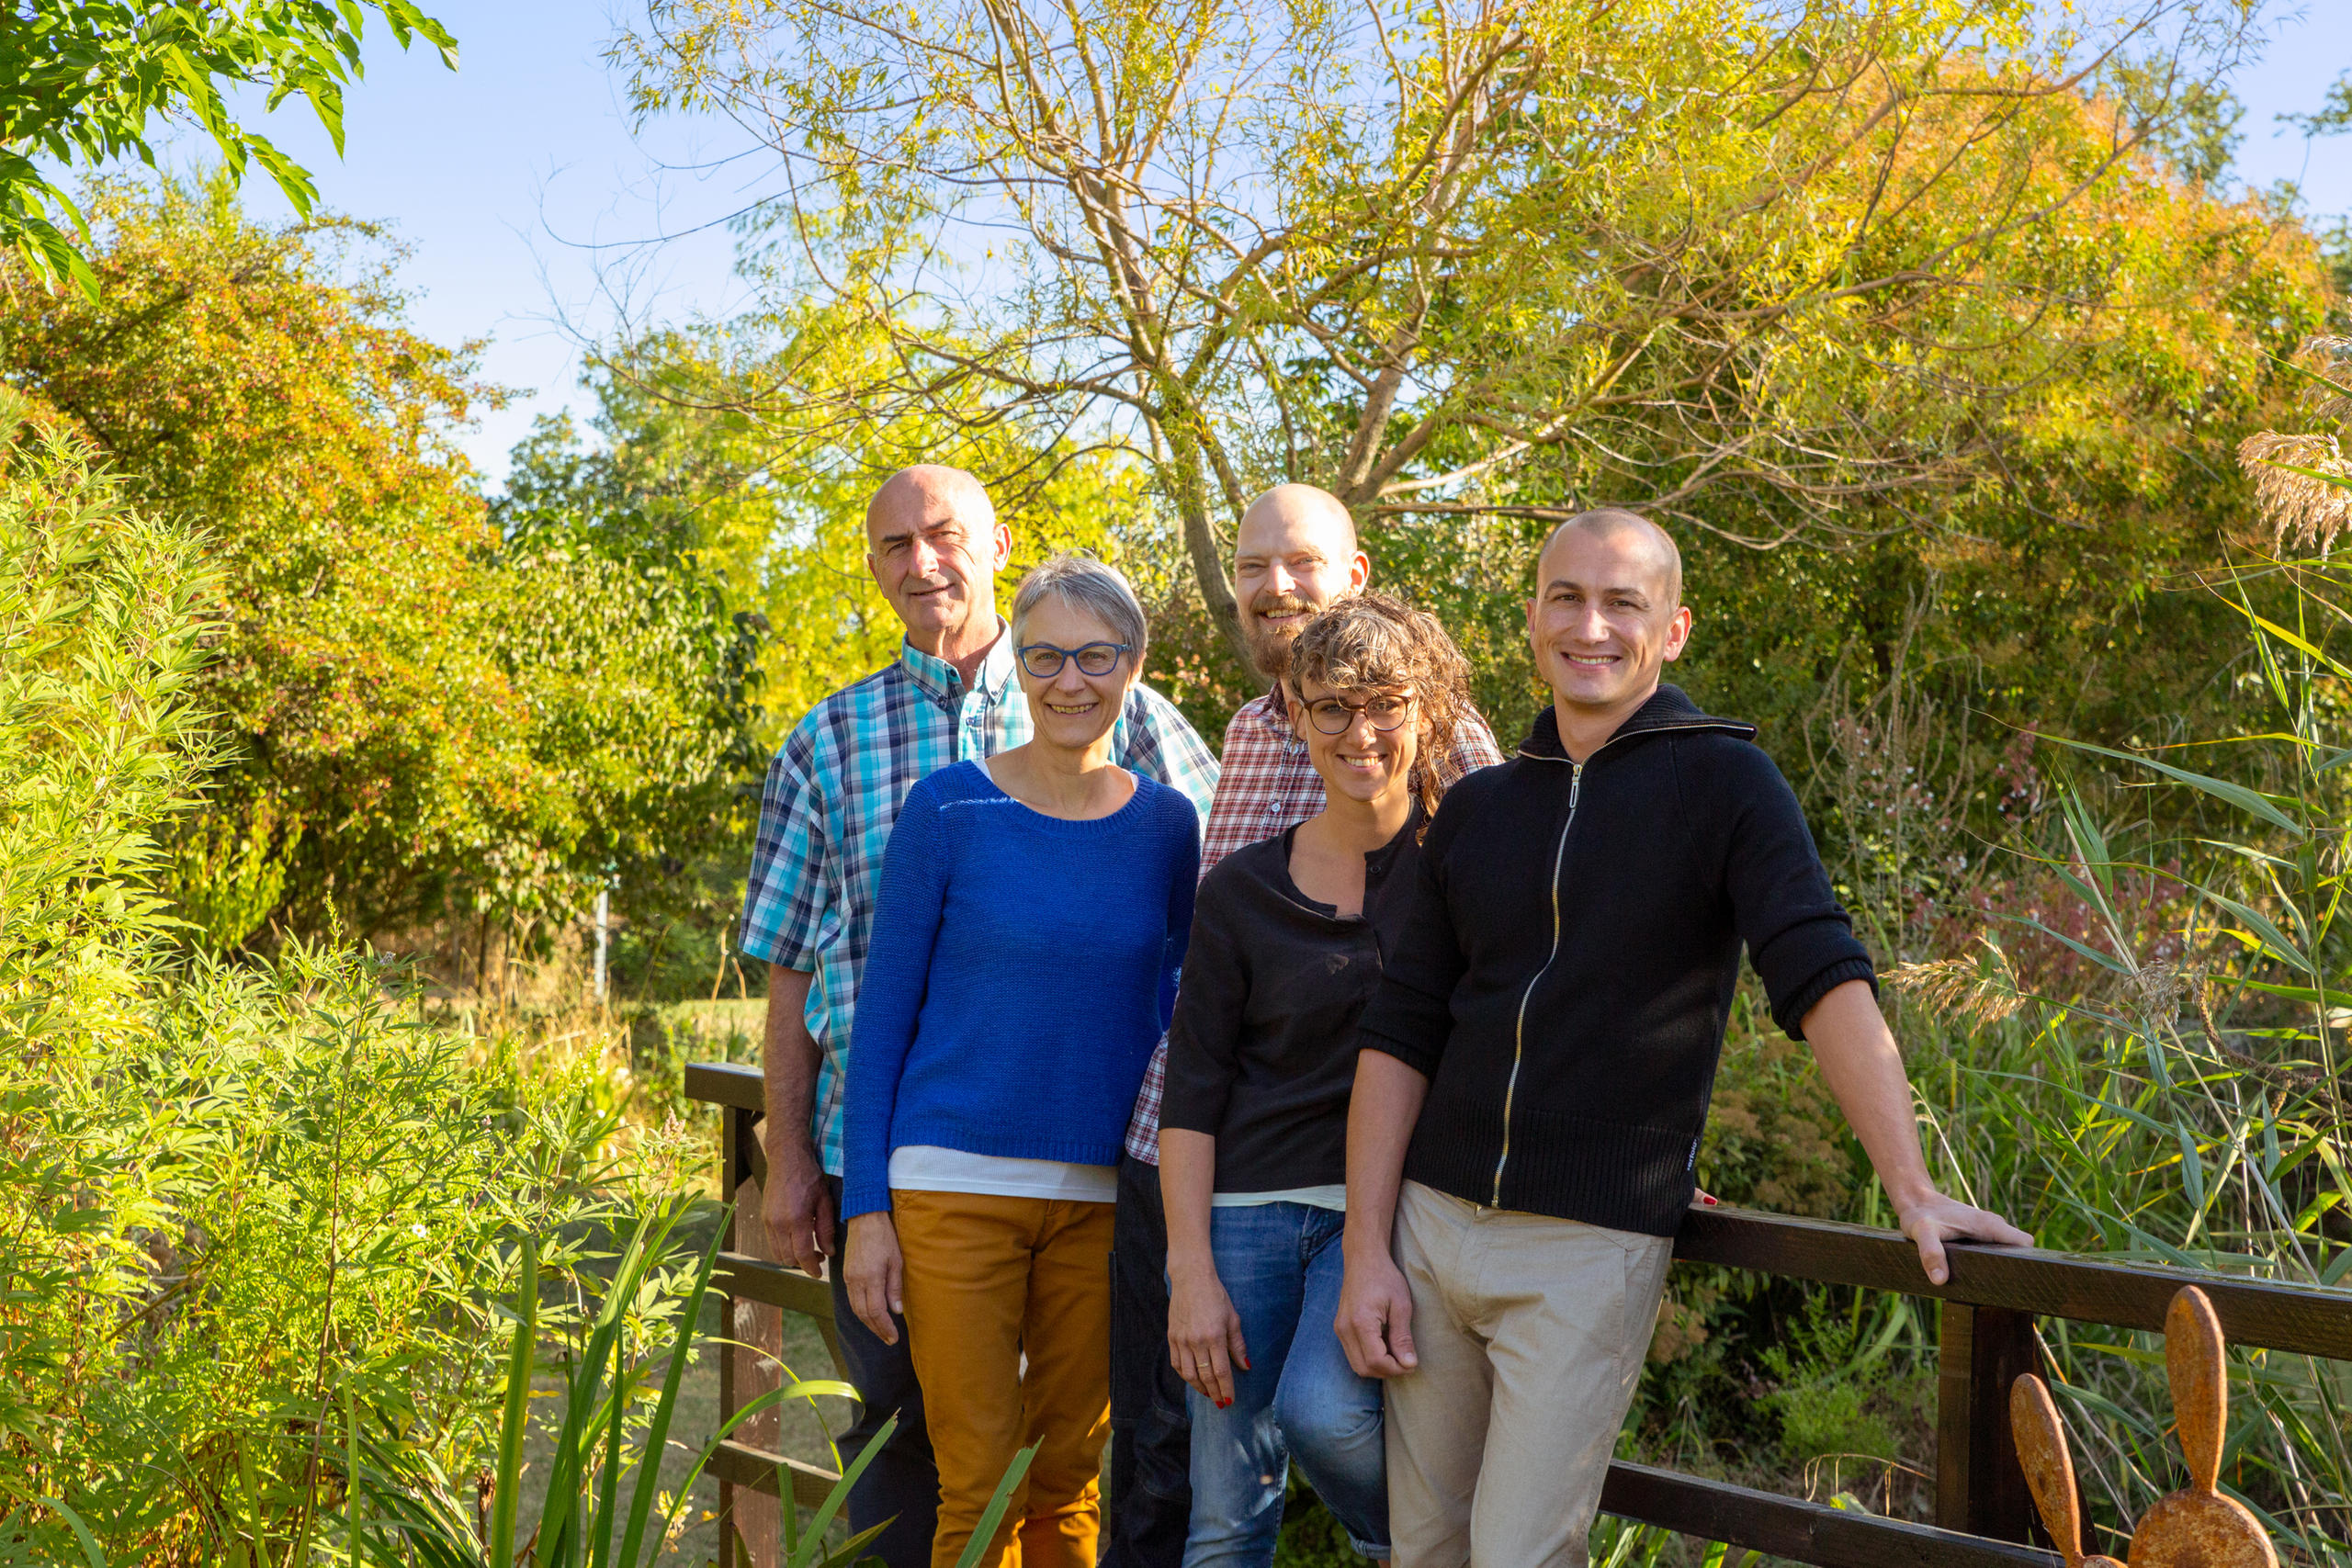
[990, 1278]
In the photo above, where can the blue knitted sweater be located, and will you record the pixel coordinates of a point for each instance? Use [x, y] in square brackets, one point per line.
[1022, 968]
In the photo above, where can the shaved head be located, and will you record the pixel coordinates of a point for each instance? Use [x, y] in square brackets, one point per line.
[1319, 509]
[924, 486]
[1615, 522]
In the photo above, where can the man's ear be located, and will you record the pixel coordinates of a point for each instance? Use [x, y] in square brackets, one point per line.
[1678, 633]
[1002, 539]
[1358, 573]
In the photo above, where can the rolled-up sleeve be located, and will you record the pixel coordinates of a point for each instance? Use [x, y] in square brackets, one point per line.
[1410, 1016]
[1204, 1040]
[1799, 937]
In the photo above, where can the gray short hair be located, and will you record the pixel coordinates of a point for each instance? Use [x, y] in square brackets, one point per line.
[1083, 583]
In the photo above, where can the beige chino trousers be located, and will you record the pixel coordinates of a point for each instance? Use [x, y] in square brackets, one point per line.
[1530, 1333]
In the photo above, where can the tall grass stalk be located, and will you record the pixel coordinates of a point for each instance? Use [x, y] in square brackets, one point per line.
[615, 1428]
[2188, 1105]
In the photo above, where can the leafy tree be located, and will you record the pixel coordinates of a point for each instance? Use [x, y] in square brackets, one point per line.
[1776, 272]
[2333, 117]
[710, 443]
[431, 719]
[82, 81]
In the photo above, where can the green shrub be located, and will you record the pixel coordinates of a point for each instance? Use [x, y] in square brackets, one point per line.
[240, 1207]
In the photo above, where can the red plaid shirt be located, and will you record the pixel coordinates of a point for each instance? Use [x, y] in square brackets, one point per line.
[1267, 785]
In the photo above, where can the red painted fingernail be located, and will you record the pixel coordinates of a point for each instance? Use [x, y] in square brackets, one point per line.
[1710, 1202]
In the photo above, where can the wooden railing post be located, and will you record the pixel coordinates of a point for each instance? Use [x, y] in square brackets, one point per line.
[1980, 1487]
[737, 1128]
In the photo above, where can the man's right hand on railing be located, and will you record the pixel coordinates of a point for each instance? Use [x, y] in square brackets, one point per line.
[797, 1206]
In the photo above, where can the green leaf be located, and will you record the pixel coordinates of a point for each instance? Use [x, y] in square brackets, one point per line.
[984, 1532]
[2236, 794]
[657, 1434]
[514, 1427]
[2105, 961]
[82, 1536]
[2272, 938]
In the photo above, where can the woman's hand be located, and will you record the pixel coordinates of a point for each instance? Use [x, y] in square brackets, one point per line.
[1204, 1331]
[874, 1273]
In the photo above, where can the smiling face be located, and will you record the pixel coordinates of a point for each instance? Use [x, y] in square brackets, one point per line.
[1073, 710]
[1604, 620]
[934, 545]
[1294, 555]
[1363, 762]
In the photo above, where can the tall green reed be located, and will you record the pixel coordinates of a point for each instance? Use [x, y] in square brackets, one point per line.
[603, 1505]
[2189, 1106]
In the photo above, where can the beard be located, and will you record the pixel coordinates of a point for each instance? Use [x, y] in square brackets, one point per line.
[1269, 649]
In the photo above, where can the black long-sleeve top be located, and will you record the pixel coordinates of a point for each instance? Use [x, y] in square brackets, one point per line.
[1566, 972]
[1262, 1053]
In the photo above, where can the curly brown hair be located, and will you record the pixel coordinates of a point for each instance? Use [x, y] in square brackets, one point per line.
[1372, 640]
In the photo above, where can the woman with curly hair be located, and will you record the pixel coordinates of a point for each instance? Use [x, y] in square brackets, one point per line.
[1287, 939]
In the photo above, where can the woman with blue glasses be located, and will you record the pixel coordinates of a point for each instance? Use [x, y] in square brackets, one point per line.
[1033, 912]
[1287, 942]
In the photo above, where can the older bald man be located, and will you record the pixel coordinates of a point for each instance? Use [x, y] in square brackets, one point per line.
[934, 546]
[1295, 555]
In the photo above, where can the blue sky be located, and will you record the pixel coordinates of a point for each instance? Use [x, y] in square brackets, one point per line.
[528, 201]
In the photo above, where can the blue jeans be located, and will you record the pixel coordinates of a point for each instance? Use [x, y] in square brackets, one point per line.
[1281, 1265]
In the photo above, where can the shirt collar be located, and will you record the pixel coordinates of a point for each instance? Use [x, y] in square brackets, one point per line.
[1273, 712]
[937, 680]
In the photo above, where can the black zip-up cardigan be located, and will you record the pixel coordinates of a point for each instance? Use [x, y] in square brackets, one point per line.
[1567, 967]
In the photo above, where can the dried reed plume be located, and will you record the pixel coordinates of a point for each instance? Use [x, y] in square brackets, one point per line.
[1969, 989]
[2328, 399]
[2303, 508]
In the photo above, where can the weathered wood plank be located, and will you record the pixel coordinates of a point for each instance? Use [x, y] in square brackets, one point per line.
[757, 1280]
[730, 1548]
[740, 1464]
[1797, 1530]
[2308, 1319]
[725, 1083]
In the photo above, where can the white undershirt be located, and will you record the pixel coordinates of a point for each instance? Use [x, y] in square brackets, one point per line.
[1331, 1195]
[927, 1167]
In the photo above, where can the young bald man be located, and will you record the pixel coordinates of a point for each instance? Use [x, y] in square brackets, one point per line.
[935, 546]
[1295, 555]
[1537, 1063]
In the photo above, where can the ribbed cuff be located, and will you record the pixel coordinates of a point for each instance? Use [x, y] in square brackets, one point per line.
[1790, 1014]
[1422, 1061]
[863, 1198]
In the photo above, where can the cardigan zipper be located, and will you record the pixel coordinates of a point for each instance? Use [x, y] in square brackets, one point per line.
[1560, 858]
[1518, 1031]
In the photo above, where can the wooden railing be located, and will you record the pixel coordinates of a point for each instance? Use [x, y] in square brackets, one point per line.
[1987, 1311]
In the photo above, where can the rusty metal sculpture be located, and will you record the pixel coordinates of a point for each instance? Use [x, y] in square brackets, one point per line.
[2194, 1528]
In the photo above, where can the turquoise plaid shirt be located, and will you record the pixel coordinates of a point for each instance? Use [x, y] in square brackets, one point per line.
[833, 792]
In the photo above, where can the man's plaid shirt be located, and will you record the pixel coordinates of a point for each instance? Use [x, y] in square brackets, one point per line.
[1267, 787]
[833, 793]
